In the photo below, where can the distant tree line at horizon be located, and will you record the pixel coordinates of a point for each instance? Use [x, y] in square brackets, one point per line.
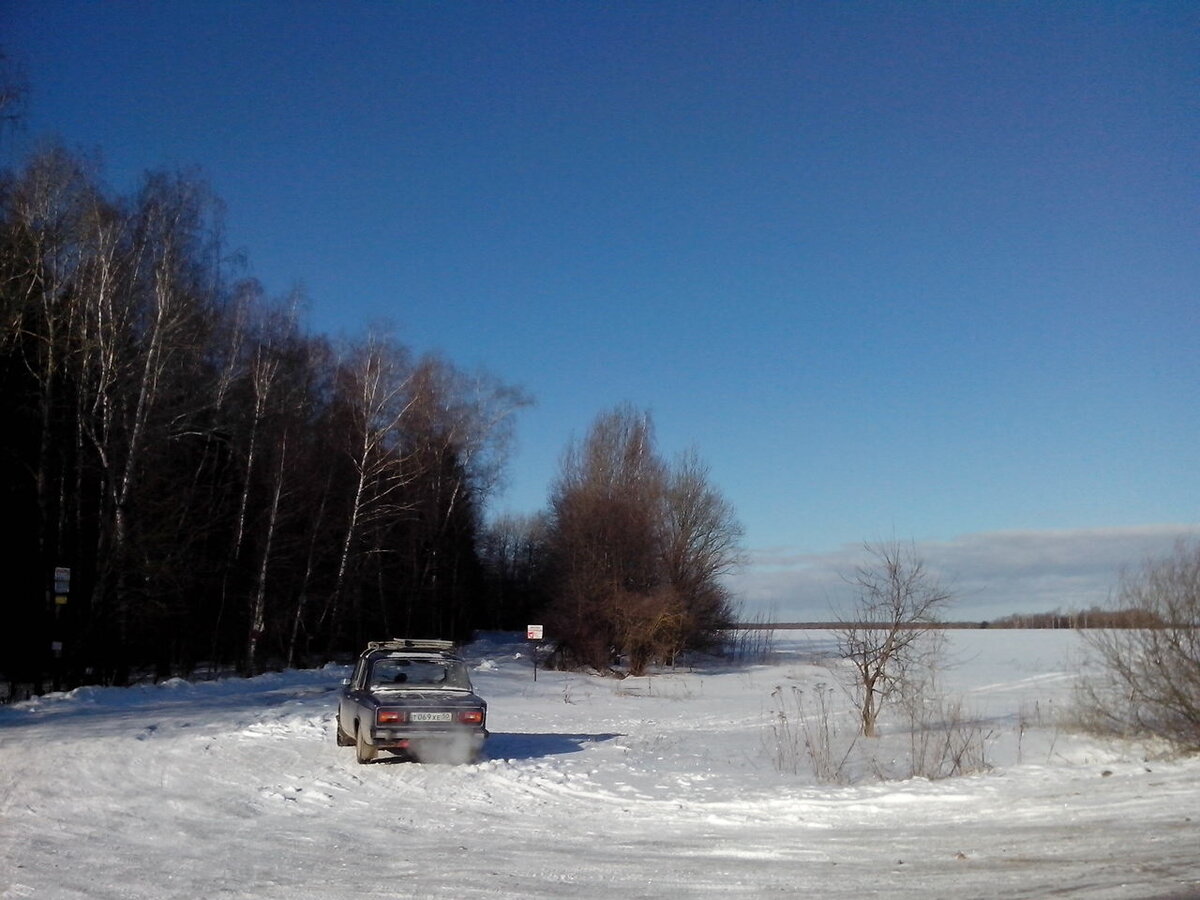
[1094, 617]
[227, 489]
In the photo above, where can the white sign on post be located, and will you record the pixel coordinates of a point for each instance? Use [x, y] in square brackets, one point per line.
[534, 633]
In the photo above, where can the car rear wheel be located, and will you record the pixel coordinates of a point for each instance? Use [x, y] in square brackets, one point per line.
[343, 739]
[364, 751]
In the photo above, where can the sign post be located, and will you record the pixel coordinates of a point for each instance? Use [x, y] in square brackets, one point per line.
[62, 585]
[534, 634]
[62, 591]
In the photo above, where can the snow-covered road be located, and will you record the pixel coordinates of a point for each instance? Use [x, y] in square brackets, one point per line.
[594, 788]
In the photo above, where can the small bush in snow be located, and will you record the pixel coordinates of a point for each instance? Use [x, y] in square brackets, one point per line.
[932, 737]
[1146, 681]
[805, 728]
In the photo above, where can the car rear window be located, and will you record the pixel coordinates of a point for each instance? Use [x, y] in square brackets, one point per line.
[420, 673]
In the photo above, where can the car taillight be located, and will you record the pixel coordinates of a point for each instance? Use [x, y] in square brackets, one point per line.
[471, 717]
[389, 717]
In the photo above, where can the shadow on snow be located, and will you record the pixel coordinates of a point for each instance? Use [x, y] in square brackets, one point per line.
[534, 745]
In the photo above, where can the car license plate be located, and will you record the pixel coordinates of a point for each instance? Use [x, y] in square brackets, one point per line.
[429, 717]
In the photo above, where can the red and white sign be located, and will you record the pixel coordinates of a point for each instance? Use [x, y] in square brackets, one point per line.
[534, 632]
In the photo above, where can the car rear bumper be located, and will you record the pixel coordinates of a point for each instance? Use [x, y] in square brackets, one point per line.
[404, 738]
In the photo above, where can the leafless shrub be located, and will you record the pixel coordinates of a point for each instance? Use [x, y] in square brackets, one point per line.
[805, 727]
[935, 738]
[1033, 715]
[752, 642]
[1145, 682]
[945, 741]
[649, 626]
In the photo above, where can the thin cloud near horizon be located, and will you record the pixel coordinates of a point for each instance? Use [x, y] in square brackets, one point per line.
[992, 574]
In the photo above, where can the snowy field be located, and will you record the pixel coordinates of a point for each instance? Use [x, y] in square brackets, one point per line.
[593, 787]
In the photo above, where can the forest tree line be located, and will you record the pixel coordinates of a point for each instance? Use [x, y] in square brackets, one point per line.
[227, 488]
[222, 485]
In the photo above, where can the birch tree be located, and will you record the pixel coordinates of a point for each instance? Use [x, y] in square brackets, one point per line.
[139, 333]
[374, 397]
[458, 430]
[46, 212]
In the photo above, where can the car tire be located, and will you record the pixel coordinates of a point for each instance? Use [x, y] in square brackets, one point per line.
[363, 751]
[343, 739]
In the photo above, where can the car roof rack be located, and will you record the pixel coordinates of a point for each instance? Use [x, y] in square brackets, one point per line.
[411, 644]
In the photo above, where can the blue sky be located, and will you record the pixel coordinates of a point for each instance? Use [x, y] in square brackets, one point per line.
[916, 270]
